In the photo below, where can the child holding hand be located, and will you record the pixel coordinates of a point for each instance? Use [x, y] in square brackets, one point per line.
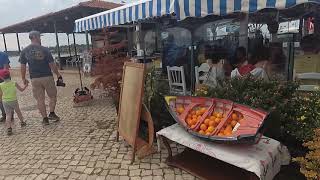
[8, 92]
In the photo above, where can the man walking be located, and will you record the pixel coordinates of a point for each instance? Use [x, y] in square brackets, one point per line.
[41, 65]
[4, 64]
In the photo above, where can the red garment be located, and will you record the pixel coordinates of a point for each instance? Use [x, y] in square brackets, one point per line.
[246, 69]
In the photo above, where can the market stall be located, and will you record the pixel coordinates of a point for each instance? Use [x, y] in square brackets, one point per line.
[191, 29]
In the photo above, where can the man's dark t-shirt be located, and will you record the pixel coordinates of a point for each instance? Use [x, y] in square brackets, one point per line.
[38, 59]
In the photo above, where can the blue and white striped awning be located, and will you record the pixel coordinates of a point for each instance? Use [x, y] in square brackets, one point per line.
[144, 9]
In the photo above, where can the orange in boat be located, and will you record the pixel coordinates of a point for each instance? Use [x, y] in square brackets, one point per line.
[228, 133]
[212, 123]
[189, 121]
[193, 113]
[229, 128]
[217, 120]
[233, 123]
[234, 116]
[198, 113]
[210, 129]
[203, 127]
[194, 122]
[207, 122]
[202, 132]
[180, 110]
[219, 115]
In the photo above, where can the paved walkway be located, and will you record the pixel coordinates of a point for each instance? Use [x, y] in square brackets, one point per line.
[81, 146]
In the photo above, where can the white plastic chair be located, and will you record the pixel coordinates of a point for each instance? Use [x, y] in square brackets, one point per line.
[308, 76]
[177, 82]
[204, 68]
[71, 61]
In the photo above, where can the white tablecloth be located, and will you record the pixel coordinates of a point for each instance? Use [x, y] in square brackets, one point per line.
[264, 159]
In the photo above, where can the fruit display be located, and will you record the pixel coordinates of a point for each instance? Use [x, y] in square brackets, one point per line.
[210, 124]
[216, 119]
[231, 125]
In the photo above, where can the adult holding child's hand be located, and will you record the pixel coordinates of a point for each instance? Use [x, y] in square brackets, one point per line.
[41, 65]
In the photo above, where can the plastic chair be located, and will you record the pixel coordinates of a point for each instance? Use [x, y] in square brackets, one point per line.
[309, 76]
[72, 61]
[177, 82]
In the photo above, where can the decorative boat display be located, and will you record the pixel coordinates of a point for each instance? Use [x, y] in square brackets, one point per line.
[217, 119]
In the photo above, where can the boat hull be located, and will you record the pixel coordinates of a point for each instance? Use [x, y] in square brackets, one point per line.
[246, 123]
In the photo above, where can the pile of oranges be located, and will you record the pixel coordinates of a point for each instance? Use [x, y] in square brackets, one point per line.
[228, 127]
[194, 116]
[210, 123]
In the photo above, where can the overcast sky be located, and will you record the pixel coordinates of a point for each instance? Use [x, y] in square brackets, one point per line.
[15, 11]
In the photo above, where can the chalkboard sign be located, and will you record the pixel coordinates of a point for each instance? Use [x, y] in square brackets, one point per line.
[131, 102]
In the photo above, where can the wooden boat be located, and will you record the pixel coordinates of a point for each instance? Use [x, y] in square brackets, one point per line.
[217, 119]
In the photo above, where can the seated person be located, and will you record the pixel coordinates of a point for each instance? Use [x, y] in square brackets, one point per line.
[240, 58]
[245, 67]
[215, 71]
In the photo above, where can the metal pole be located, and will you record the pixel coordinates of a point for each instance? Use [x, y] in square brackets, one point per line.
[69, 45]
[191, 48]
[4, 42]
[129, 38]
[57, 41]
[74, 44]
[291, 59]
[156, 36]
[87, 40]
[18, 42]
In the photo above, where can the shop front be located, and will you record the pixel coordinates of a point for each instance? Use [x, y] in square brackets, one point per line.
[195, 48]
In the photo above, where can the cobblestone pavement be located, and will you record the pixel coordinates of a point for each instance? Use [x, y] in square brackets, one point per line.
[81, 146]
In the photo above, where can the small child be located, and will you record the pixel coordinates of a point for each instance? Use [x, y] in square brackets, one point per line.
[9, 98]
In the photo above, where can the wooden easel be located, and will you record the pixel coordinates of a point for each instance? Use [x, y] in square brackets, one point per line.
[132, 110]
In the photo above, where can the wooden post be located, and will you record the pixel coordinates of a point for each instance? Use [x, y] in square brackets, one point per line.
[57, 41]
[69, 45]
[18, 42]
[4, 42]
[74, 44]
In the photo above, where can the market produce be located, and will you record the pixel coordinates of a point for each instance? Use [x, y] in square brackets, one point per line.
[217, 119]
[209, 125]
[231, 125]
[194, 116]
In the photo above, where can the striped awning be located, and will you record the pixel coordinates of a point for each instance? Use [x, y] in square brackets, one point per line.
[145, 9]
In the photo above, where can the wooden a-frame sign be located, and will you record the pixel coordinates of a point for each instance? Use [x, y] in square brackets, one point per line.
[131, 110]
